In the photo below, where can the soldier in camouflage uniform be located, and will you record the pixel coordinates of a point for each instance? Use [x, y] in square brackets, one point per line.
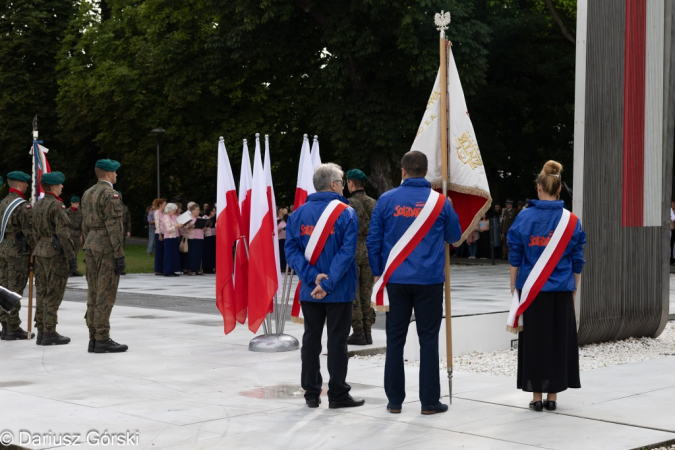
[103, 230]
[363, 316]
[15, 251]
[54, 258]
[75, 216]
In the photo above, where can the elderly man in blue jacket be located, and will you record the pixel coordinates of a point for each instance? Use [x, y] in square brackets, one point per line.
[417, 283]
[328, 285]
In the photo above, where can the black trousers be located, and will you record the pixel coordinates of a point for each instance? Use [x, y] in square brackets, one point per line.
[427, 302]
[338, 317]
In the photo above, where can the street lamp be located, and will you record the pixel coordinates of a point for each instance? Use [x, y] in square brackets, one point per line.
[157, 131]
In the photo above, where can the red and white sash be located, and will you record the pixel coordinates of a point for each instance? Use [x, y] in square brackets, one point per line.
[541, 271]
[405, 245]
[317, 241]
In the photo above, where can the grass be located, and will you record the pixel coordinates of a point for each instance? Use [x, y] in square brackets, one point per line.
[135, 257]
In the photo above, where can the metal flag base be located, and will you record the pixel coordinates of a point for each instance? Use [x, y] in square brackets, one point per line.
[273, 343]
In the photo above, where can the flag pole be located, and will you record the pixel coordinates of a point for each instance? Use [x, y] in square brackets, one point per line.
[33, 197]
[442, 21]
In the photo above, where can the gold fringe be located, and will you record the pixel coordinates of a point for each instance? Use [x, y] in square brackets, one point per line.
[298, 320]
[379, 308]
[510, 329]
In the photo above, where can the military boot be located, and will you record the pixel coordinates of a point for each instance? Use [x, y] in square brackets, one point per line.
[369, 335]
[18, 334]
[3, 332]
[109, 345]
[38, 341]
[358, 337]
[92, 345]
[54, 338]
[75, 274]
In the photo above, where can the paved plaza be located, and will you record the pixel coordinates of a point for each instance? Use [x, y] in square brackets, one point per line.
[183, 384]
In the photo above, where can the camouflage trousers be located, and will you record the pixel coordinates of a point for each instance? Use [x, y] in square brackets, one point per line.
[76, 243]
[13, 276]
[102, 290]
[363, 314]
[51, 277]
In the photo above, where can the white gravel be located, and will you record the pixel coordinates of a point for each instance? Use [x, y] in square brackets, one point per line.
[593, 356]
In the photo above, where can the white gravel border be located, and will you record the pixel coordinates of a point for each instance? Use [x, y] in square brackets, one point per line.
[593, 356]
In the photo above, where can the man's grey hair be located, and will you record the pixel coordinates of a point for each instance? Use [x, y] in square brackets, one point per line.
[324, 174]
[170, 207]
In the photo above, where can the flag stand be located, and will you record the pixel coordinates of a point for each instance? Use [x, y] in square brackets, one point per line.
[442, 21]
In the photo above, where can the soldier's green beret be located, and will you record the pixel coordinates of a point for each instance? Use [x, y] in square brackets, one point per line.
[53, 178]
[108, 165]
[356, 174]
[19, 176]
[74, 199]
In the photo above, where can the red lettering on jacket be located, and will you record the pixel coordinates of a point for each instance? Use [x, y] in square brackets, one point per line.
[540, 241]
[407, 211]
[307, 230]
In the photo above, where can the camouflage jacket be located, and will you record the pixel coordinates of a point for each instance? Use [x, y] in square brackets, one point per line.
[508, 216]
[127, 220]
[75, 222]
[19, 221]
[102, 224]
[50, 219]
[363, 205]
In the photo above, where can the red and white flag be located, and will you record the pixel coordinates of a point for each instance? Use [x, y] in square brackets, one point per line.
[316, 155]
[41, 166]
[263, 274]
[305, 185]
[241, 259]
[467, 182]
[227, 233]
[271, 199]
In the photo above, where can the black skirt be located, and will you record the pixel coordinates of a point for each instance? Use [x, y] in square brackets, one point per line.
[548, 351]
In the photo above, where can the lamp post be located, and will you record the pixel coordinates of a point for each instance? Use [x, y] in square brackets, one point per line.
[157, 131]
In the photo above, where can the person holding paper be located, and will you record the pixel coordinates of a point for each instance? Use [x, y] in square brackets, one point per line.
[171, 229]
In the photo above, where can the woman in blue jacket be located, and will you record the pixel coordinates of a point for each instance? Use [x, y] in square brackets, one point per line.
[548, 352]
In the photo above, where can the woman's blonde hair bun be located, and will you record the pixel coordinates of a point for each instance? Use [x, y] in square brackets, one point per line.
[549, 177]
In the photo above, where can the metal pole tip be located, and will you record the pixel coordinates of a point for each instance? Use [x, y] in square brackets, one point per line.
[221, 139]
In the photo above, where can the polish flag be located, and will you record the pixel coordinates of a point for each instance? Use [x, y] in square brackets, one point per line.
[316, 155]
[305, 185]
[271, 200]
[262, 275]
[39, 154]
[227, 233]
[241, 260]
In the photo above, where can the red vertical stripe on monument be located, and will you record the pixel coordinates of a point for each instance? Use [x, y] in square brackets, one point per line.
[634, 113]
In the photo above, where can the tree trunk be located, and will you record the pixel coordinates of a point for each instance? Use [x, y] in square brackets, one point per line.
[380, 172]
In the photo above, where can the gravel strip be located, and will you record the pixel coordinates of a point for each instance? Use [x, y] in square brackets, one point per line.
[593, 356]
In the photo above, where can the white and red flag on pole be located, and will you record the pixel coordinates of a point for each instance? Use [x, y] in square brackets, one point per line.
[241, 258]
[271, 200]
[304, 186]
[227, 233]
[39, 154]
[467, 182]
[316, 155]
[262, 274]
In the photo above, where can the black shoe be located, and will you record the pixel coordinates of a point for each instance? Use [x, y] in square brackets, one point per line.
[394, 409]
[357, 338]
[369, 335]
[75, 274]
[18, 334]
[313, 402]
[39, 338]
[550, 405]
[92, 344]
[123, 273]
[110, 346]
[537, 406]
[3, 332]
[437, 408]
[54, 338]
[347, 402]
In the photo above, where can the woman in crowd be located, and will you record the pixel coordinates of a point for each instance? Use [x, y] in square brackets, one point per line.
[150, 225]
[209, 258]
[548, 353]
[282, 217]
[484, 241]
[159, 204]
[171, 229]
[195, 237]
[472, 242]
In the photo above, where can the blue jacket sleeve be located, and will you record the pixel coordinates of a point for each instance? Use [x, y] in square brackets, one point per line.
[374, 240]
[295, 256]
[577, 254]
[452, 229]
[345, 257]
[515, 244]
